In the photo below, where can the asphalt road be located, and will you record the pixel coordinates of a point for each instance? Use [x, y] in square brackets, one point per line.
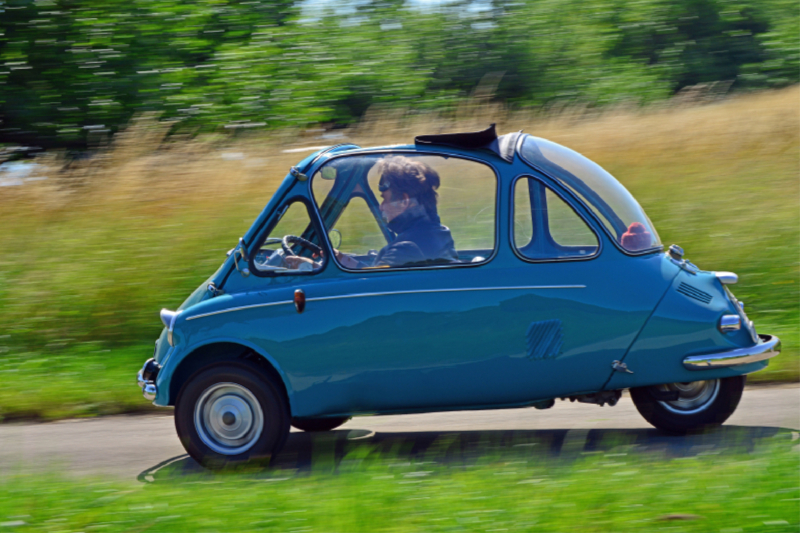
[146, 447]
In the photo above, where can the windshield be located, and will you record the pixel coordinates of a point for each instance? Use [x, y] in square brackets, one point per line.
[611, 202]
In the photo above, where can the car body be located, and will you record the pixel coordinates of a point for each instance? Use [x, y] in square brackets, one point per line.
[559, 288]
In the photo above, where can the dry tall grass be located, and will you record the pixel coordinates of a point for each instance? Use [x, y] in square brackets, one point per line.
[143, 167]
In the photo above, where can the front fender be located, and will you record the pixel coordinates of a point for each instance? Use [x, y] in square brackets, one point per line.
[178, 354]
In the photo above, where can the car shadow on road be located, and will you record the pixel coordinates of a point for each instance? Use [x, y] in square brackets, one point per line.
[333, 450]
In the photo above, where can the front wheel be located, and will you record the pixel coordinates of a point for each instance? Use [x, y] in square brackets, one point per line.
[231, 414]
[689, 407]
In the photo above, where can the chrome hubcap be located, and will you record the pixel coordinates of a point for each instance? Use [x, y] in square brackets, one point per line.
[228, 418]
[693, 397]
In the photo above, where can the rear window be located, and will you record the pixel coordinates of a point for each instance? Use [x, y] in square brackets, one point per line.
[618, 210]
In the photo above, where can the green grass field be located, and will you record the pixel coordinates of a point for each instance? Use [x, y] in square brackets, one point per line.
[620, 490]
[90, 255]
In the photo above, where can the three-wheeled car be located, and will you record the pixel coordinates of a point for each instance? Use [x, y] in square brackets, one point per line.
[465, 271]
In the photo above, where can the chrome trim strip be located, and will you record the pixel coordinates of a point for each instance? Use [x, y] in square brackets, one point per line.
[388, 293]
[770, 346]
[231, 309]
[428, 291]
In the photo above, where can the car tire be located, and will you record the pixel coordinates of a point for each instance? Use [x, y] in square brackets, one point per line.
[700, 405]
[319, 424]
[231, 414]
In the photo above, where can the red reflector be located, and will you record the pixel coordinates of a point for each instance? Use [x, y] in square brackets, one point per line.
[299, 300]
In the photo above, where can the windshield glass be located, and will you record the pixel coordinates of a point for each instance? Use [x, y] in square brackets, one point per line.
[611, 202]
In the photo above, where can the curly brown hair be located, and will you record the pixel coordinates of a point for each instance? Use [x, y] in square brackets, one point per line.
[414, 178]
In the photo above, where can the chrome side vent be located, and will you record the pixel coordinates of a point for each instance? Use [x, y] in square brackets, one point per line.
[694, 293]
[545, 339]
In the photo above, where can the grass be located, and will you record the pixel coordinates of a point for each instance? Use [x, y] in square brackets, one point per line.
[618, 491]
[89, 255]
[54, 385]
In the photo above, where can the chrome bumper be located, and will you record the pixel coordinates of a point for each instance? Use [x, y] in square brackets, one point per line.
[148, 386]
[770, 346]
[149, 389]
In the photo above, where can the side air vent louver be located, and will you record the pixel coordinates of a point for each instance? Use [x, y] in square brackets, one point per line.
[545, 339]
[692, 292]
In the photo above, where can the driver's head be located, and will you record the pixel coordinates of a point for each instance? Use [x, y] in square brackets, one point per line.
[405, 183]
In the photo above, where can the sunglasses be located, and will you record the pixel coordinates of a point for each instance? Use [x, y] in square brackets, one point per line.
[383, 186]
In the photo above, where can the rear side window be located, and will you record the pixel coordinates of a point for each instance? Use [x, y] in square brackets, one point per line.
[546, 227]
[619, 212]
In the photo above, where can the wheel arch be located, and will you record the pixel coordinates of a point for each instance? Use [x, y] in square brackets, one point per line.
[221, 351]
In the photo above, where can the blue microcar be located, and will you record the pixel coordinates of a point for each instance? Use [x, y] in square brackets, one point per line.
[465, 271]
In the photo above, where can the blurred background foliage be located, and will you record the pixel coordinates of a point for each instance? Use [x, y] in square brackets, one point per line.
[74, 70]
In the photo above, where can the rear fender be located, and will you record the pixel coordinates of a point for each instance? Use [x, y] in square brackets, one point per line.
[683, 325]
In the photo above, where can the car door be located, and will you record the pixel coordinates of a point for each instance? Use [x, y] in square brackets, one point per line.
[391, 337]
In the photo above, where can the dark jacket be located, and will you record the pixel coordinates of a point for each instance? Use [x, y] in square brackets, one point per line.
[420, 240]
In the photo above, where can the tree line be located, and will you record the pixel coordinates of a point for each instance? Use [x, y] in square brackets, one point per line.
[70, 69]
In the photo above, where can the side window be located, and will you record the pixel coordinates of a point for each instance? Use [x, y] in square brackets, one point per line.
[292, 246]
[546, 227]
[407, 210]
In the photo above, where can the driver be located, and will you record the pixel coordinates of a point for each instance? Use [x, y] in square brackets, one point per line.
[408, 192]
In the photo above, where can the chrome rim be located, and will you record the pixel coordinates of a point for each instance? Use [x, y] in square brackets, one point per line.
[693, 397]
[228, 418]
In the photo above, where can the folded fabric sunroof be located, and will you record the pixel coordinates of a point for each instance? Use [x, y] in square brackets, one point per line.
[504, 146]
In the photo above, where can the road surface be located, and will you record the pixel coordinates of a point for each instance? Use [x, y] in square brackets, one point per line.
[145, 447]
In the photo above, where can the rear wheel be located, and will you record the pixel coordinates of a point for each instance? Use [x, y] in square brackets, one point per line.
[319, 424]
[230, 414]
[688, 407]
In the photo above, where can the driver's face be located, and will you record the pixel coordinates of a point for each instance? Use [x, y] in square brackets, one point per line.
[393, 204]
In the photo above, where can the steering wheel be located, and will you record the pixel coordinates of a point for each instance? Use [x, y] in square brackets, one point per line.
[288, 240]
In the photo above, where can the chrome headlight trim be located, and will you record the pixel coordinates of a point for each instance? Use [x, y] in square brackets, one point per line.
[169, 318]
[727, 278]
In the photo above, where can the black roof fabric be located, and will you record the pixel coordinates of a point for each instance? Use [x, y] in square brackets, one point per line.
[504, 146]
